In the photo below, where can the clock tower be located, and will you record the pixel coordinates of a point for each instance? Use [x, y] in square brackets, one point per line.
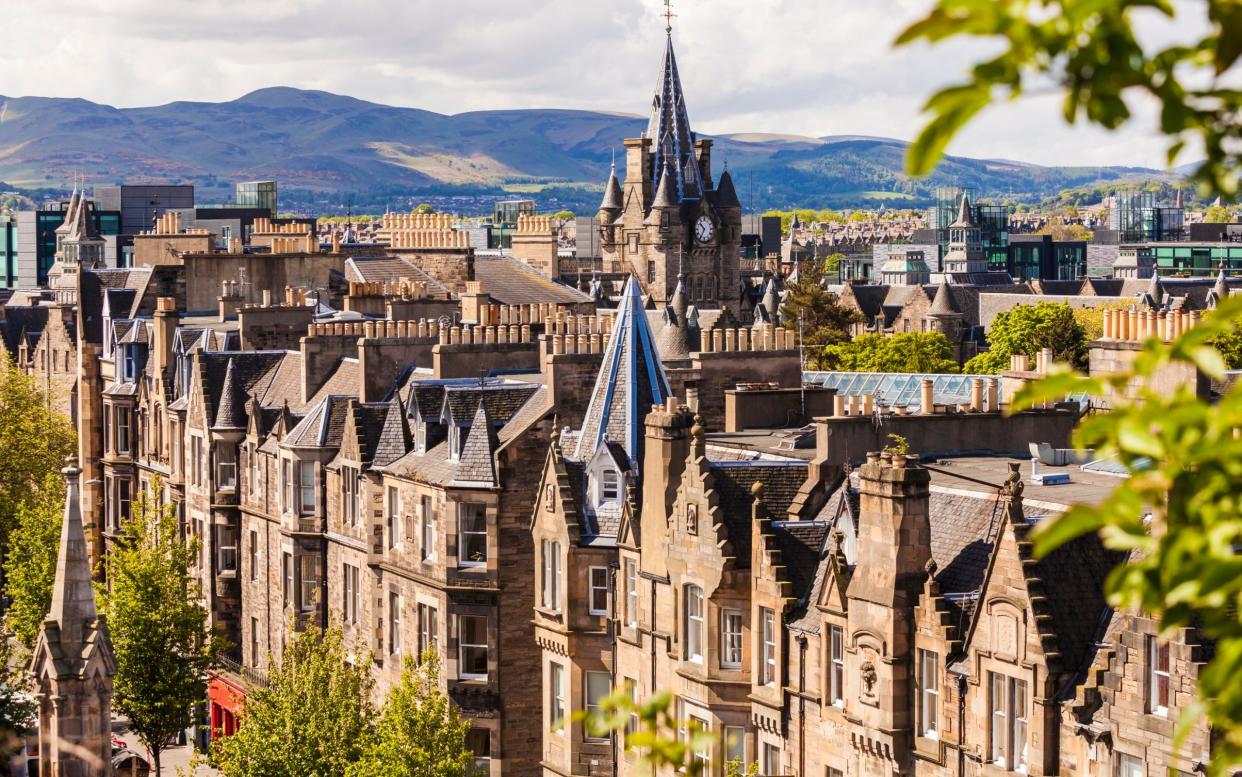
[668, 218]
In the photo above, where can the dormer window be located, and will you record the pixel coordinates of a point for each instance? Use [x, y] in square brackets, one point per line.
[420, 437]
[609, 486]
[128, 365]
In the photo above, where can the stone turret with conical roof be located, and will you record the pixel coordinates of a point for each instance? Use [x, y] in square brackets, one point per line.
[231, 409]
[1154, 297]
[965, 256]
[768, 311]
[73, 663]
[613, 200]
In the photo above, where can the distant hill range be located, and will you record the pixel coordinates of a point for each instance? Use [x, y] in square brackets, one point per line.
[328, 145]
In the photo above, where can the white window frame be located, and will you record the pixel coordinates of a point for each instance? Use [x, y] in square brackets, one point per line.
[123, 431]
[929, 694]
[226, 552]
[592, 697]
[1009, 726]
[394, 623]
[767, 667]
[836, 666]
[464, 509]
[771, 759]
[557, 698]
[352, 602]
[349, 496]
[226, 467]
[693, 606]
[308, 581]
[1156, 675]
[597, 595]
[731, 639]
[609, 485]
[306, 488]
[733, 743]
[428, 549]
[631, 592]
[392, 507]
[463, 646]
[428, 629]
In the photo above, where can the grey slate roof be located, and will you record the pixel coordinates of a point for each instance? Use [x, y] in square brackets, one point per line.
[231, 411]
[801, 544]
[670, 133]
[394, 437]
[733, 480]
[510, 282]
[476, 465]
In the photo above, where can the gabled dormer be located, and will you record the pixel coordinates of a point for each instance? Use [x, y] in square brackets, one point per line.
[607, 474]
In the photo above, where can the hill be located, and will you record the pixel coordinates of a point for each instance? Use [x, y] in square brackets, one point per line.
[325, 145]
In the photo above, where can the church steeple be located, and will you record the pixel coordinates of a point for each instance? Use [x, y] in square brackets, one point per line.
[669, 130]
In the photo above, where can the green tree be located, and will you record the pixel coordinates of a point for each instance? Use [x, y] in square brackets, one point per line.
[656, 737]
[17, 704]
[1217, 214]
[32, 560]
[1092, 319]
[1091, 50]
[418, 732]
[832, 264]
[929, 352]
[313, 719]
[424, 208]
[1027, 329]
[817, 313]
[35, 440]
[158, 625]
[563, 215]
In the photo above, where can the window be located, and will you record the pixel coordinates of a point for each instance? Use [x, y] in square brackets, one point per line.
[1007, 700]
[352, 601]
[702, 754]
[286, 484]
[349, 495]
[393, 511]
[310, 581]
[631, 686]
[731, 639]
[651, 265]
[1129, 766]
[122, 430]
[429, 530]
[599, 591]
[735, 745]
[428, 631]
[1157, 676]
[196, 463]
[226, 467]
[306, 487]
[472, 647]
[109, 444]
[694, 623]
[556, 697]
[836, 666]
[122, 500]
[286, 568]
[551, 575]
[767, 671]
[254, 555]
[226, 550]
[609, 485]
[394, 623]
[420, 437]
[479, 740]
[598, 686]
[471, 535]
[631, 592]
[771, 759]
[831, 772]
[929, 693]
[254, 641]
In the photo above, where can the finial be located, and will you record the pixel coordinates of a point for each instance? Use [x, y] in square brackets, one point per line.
[614, 159]
[668, 17]
[756, 488]
[681, 262]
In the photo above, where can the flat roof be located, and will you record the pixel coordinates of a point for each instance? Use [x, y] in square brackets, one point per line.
[1084, 487]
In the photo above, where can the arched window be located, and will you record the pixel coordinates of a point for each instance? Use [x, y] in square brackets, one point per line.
[694, 623]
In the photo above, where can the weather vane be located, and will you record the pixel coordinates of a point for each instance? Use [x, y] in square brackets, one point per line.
[668, 16]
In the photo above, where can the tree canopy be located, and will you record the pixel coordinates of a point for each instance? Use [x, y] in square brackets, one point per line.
[929, 352]
[158, 625]
[314, 718]
[816, 312]
[31, 563]
[1028, 329]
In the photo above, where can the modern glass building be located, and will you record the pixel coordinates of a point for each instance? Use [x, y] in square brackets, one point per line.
[505, 219]
[1040, 257]
[8, 252]
[1196, 259]
[257, 194]
[36, 239]
[993, 222]
[1136, 218]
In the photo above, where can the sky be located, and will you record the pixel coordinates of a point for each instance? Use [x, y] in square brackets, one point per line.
[800, 67]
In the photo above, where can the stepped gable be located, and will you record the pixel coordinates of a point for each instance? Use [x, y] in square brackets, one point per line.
[630, 380]
[732, 482]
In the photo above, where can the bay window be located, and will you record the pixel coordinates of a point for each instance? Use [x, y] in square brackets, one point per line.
[472, 647]
[731, 639]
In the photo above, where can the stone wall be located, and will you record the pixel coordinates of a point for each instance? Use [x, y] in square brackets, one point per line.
[451, 267]
[273, 328]
[775, 408]
[254, 274]
[468, 360]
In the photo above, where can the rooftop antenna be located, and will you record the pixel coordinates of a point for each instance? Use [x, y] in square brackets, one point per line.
[668, 17]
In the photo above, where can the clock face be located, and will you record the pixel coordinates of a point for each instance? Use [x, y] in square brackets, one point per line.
[704, 229]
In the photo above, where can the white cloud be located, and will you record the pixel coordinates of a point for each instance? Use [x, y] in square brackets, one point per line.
[810, 67]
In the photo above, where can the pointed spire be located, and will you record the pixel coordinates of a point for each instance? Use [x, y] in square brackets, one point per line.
[964, 216]
[1155, 289]
[613, 199]
[669, 125]
[943, 304]
[231, 412]
[772, 301]
[73, 596]
[678, 303]
[726, 195]
[630, 380]
[1220, 291]
[71, 211]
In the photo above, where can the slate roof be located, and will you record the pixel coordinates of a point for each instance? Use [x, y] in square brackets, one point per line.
[461, 402]
[476, 465]
[801, 544]
[323, 426]
[669, 131]
[510, 282]
[231, 411]
[613, 199]
[393, 440]
[630, 380]
[732, 481]
[388, 269]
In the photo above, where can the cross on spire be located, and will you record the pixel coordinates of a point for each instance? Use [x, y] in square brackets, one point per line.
[668, 17]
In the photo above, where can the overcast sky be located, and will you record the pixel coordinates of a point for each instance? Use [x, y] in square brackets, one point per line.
[806, 67]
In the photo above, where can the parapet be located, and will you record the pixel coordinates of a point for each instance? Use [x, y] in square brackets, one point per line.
[422, 230]
[1135, 326]
[534, 225]
[764, 338]
[403, 289]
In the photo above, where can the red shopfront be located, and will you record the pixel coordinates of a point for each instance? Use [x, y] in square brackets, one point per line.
[225, 697]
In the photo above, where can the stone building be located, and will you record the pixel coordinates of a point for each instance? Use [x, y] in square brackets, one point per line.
[669, 217]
